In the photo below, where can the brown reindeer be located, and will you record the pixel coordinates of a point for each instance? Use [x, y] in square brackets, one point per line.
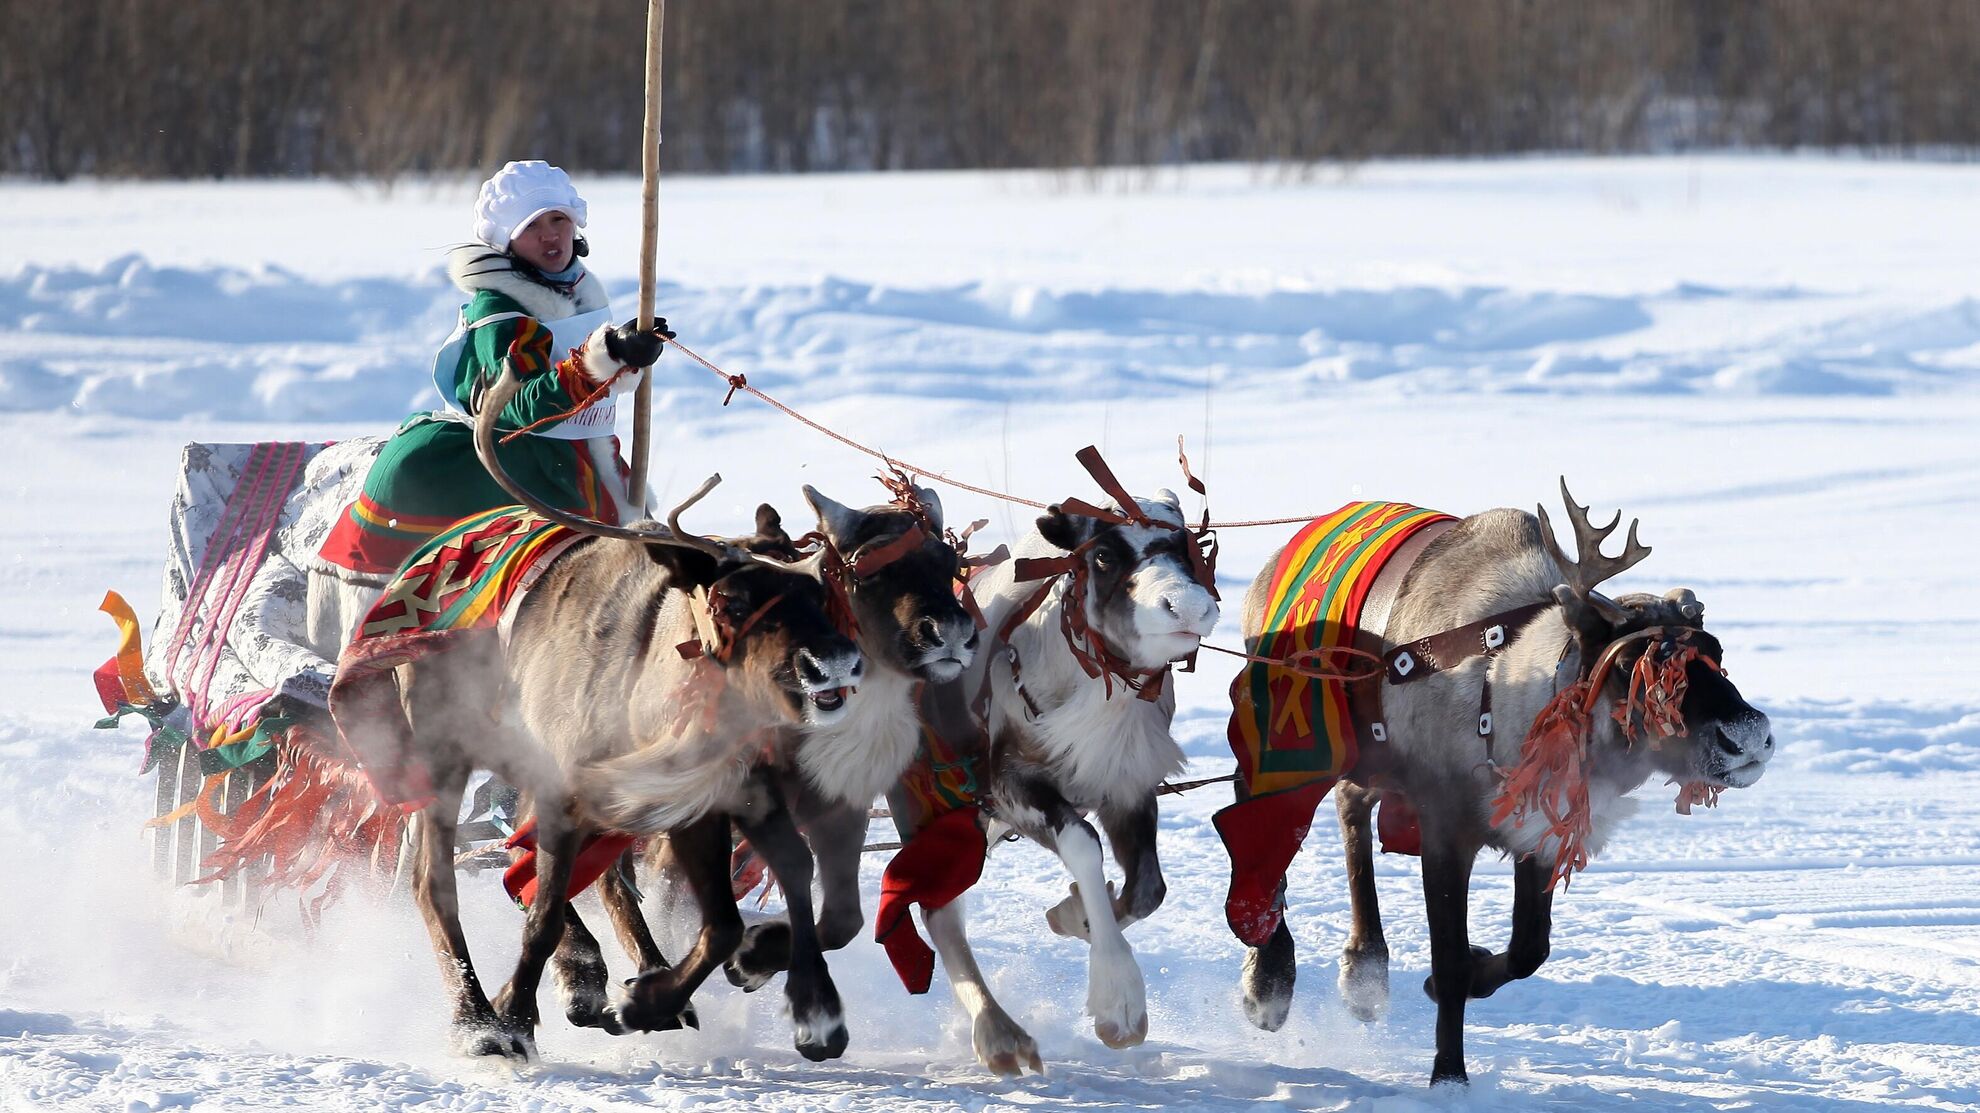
[1441, 718]
[594, 710]
[913, 633]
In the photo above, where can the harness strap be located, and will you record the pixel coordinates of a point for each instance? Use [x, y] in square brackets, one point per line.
[872, 559]
[1444, 651]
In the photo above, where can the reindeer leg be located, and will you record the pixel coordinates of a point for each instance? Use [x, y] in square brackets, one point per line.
[1446, 892]
[838, 839]
[1364, 978]
[837, 835]
[814, 1000]
[1269, 974]
[476, 1030]
[1533, 908]
[578, 968]
[543, 925]
[659, 998]
[1116, 997]
[1001, 1044]
[621, 900]
[1131, 834]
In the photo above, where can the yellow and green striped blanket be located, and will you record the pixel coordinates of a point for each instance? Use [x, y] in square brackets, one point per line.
[1294, 736]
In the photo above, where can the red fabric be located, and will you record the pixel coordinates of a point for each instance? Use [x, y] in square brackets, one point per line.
[109, 685]
[936, 866]
[1395, 823]
[1262, 835]
[747, 870]
[593, 859]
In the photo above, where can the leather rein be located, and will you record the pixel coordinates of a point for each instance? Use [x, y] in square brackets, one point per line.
[1098, 658]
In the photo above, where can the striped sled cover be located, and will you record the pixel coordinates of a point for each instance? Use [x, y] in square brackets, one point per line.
[1294, 736]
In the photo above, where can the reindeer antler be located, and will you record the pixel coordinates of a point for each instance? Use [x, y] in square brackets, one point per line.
[1590, 566]
[693, 540]
[493, 402]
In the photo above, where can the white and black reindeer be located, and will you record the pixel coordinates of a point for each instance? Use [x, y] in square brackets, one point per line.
[1437, 753]
[1079, 712]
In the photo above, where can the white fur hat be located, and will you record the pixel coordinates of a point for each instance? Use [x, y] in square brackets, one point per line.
[519, 193]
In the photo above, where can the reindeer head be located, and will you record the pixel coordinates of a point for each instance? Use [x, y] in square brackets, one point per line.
[768, 626]
[902, 583]
[1661, 693]
[1141, 593]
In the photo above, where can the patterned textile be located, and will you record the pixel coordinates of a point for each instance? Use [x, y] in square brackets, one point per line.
[267, 643]
[234, 668]
[462, 583]
[1294, 736]
[943, 777]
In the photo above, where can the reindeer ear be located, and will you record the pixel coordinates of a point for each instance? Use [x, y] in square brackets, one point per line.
[840, 522]
[770, 524]
[1062, 529]
[1591, 626]
[686, 568]
[933, 503]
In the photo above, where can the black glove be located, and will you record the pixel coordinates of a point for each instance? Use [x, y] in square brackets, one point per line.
[634, 348]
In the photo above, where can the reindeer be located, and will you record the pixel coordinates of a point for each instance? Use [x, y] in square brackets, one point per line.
[1065, 742]
[582, 711]
[899, 573]
[901, 577]
[1437, 751]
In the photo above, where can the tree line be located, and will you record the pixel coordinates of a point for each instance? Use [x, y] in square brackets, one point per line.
[378, 88]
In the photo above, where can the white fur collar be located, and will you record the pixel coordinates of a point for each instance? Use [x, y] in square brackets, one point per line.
[472, 269]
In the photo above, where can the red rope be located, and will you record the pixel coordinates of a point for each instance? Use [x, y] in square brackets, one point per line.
[741, 383]
[1310, 662]
[583, 405]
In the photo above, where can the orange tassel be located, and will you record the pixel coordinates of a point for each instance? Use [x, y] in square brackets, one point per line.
[1551, 779]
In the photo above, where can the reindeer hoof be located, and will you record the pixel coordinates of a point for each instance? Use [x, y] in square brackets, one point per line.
[495, 1038]
[587, 1005]
[1116, 998]
[1002, 1046]
[1119, 1037]
[654, 1003]
[596, 1013]
[1478, 955]
[1268, 979]
[765, 952]
[1364, 983]
[633, 1016]
[821, 1035]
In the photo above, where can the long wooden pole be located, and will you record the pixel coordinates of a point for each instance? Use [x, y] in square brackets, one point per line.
[649, 244]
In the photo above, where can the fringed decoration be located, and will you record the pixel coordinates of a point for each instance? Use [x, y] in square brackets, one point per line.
[315, 816]
[1697, 794]
[698, 699]
[1657, 685]
[1552, 780]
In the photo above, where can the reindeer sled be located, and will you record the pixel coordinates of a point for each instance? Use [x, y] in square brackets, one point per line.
[253, 787]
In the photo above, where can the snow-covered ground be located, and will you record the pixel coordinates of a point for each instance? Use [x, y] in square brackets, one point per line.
[1774, 362]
